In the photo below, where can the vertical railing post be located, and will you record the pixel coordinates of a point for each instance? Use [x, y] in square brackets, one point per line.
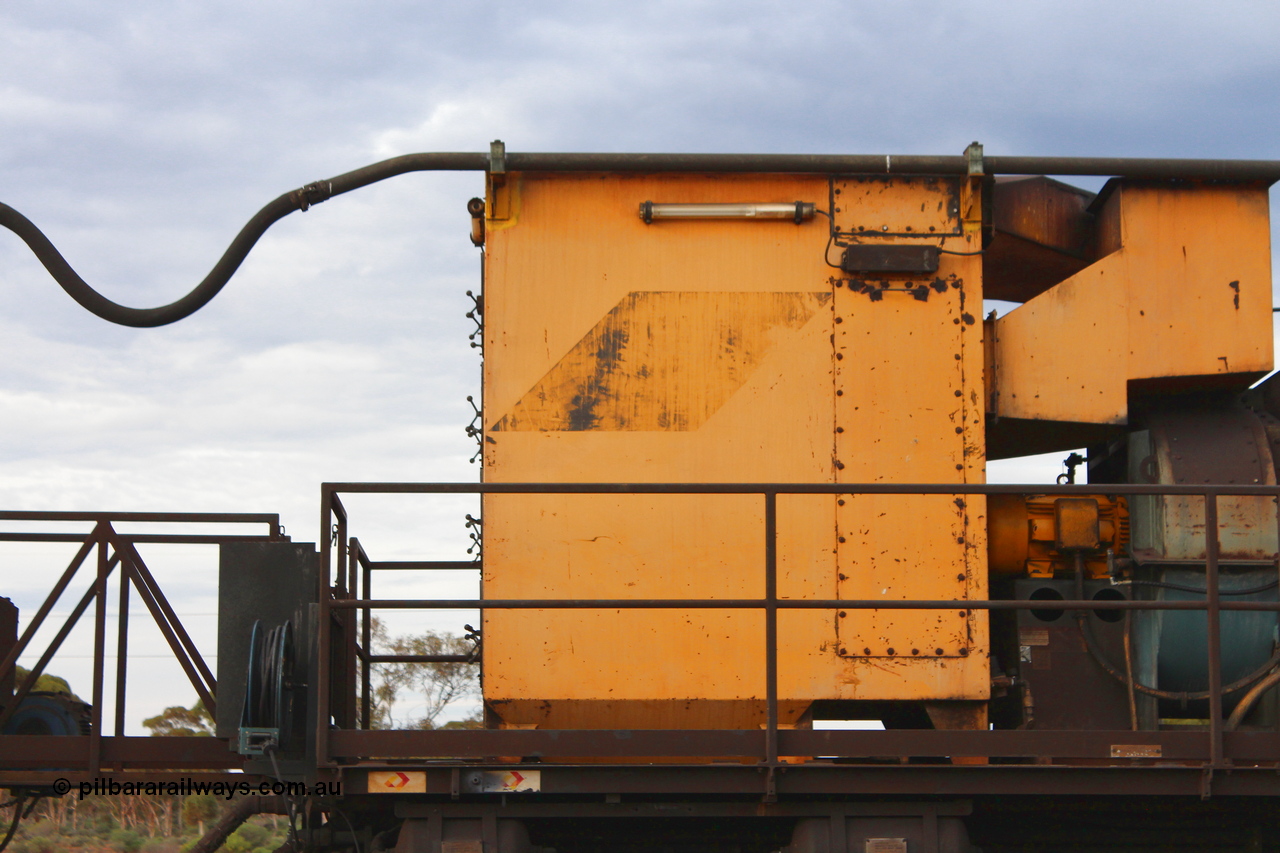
[366, 640]
[350, 637]
[122, 650]
[321, 720]
[99, 652]
[1213, 628]
[771, 635]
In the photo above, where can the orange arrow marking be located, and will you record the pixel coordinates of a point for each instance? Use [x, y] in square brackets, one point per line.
[397, 781]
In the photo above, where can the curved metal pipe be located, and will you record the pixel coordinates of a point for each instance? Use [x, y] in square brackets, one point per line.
[901, 164]
[273, 212]
[241, 810]
[302, 199]
[1246, 703]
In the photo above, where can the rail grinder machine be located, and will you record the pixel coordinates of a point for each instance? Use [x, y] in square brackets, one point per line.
[736, 418]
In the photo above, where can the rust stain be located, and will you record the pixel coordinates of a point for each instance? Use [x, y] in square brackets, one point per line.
[661, 361]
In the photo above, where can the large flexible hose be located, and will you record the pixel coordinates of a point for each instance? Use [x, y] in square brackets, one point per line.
[301, 199]
[1246, 703]
[221, 273]
[1124, 677]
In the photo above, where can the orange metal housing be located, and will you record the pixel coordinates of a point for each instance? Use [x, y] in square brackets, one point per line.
[1178, 300]
[723, 351]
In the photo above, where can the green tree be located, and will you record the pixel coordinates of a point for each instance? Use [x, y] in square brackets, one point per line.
[177, 721]
[126, 840]
[437, 684]
[198, 808]
[247, 838]
[46, 683]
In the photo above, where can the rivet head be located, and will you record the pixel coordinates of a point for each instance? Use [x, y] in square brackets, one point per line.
[891, 651]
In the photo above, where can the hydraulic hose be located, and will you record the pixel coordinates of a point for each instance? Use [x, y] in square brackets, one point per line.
[1125, 676]
[1246, 703]
[220, 274]
[1253, 590]
[1115, 672]
[498, 162]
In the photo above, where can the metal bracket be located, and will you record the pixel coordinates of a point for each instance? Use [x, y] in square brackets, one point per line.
[256, 741]
[498, 196]
[973, 157]
[497, 157]
[875, 290]
[971, 190]
[771, 784]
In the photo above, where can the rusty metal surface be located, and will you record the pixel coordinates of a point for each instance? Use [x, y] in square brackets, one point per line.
[1046, 212]
[933, 746]
[114, 550]
[905, 780]
[516, 807]
[1068, 688]
[1193, 447]
[172, 753]
[1184, 301]
[272, 520]
[1043, 234]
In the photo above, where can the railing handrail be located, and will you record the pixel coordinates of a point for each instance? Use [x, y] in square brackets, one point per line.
[558, 488]
[770, 602]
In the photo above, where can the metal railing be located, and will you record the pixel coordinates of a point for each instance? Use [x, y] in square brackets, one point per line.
[116, 550]
[347, 566]
[1205, 747]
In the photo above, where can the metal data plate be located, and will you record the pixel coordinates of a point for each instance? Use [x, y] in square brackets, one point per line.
[886, 845]
[501, 781]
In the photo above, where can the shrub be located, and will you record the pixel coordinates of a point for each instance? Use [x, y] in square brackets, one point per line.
[126, 840]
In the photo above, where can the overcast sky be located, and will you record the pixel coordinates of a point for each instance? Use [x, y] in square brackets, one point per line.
[141, 136]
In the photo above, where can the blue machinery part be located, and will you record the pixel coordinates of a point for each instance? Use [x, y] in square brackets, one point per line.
[49, 714]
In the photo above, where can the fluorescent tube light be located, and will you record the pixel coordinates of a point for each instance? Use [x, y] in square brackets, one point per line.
[796, 211]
